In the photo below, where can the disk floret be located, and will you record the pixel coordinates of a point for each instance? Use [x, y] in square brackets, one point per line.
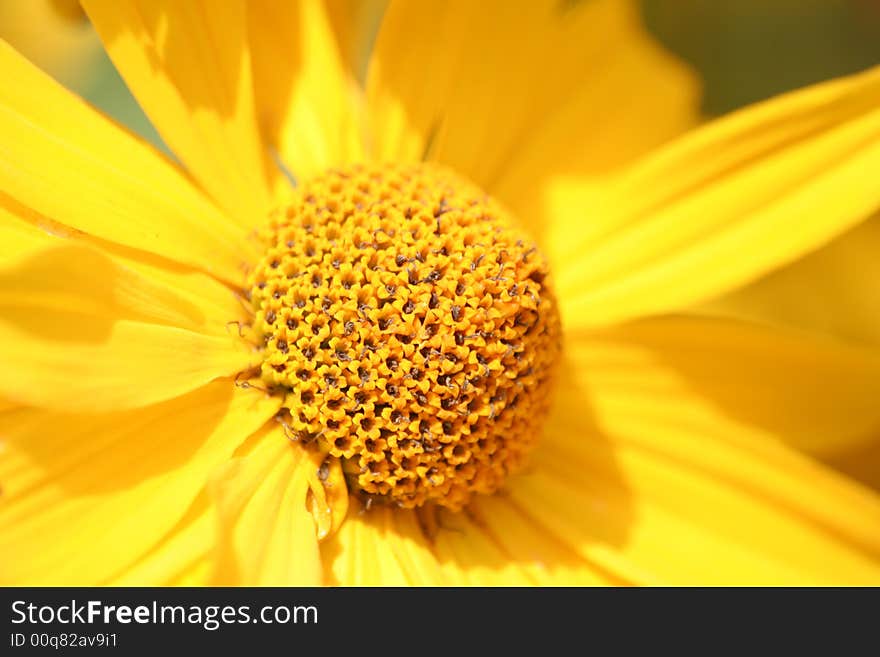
[411, 329]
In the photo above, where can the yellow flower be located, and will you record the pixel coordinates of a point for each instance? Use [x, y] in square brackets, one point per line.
[153, 430]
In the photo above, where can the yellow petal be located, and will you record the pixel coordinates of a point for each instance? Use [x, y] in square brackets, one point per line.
[504, 546]
[516, 95]
[63, 161]
[84, 496]
[810, 392]
[835, 290]
[306, 98]
[194, 574]
[472, 555]
[493, 543]
[382, 547]
[182, 557]
[138, 283]
[725, 204]
[266, 533]
[188, 64]
[55, 38]
[663, 476]
[861, 463]
[19, 239]
[80, 332]
[199, 550]
[600, 129]
[355, 23]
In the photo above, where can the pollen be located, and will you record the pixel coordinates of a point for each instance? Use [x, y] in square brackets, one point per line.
[411, 329]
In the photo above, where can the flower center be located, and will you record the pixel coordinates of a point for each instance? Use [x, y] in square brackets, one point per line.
[411, 329]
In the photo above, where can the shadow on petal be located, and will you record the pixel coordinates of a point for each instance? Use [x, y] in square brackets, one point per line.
[74, 293]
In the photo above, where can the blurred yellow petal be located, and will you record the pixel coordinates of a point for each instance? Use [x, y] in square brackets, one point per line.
[652, 470]
[266, 533]
[53, 35]
[309, 106]
[810, 392]
[189, 555]
[69, 10]
[861, 463]
[19, 239]
[182, 557]
[84, 496]
[188, 64]
[832, 292]
[81, 332]
[196, 573]
[63, 161]
[561, 150]
[515, 95]
[835, 291]
[355, 23]
[724, 205]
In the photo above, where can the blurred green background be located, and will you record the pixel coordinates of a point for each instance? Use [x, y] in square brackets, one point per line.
[745, 50]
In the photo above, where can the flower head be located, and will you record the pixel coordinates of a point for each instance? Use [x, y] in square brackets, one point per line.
[458, 350]
[412, 332]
